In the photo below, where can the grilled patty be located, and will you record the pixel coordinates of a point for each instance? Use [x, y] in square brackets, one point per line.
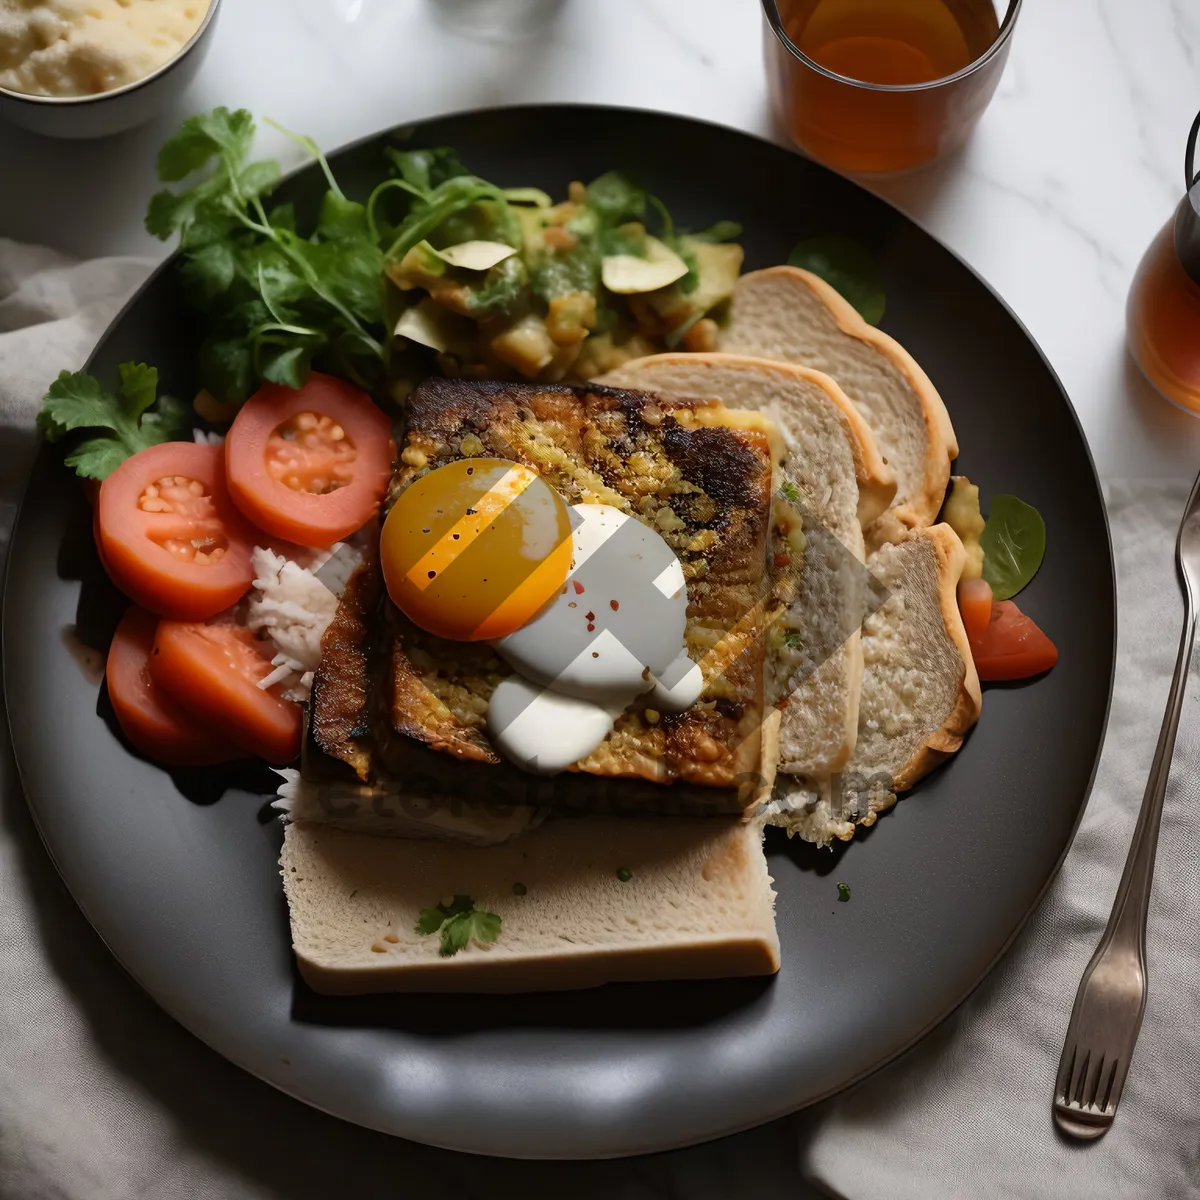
[391, 698]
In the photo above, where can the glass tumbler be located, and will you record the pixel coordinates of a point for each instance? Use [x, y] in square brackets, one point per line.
[880, 86]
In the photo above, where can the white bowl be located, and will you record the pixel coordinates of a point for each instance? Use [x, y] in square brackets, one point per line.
[122, 108]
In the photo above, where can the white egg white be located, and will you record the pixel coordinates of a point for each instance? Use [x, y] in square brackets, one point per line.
[614, 632]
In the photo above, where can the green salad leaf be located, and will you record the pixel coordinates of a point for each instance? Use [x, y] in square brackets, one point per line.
[498, 292]
[719, 231]
[616, 198]
[425, 169]
[274, 300]
[119, 423]
[844, 264]
[458, 922]
[1014, 544]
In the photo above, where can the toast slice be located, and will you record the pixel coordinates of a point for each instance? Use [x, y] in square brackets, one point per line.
[697, 904]
[794, 316]
[920, 693]
[843, 483]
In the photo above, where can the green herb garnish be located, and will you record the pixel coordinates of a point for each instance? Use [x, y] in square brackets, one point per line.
[458, 921]
[789, 491]
[274, 300]
[1014, 544]
[624, 874]
[843, 263]
[120, 424]
[843, 892]
[616, 198]
[719, 231]
[793, 639]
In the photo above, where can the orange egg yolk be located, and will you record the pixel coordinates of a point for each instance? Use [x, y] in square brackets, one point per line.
[475, 549]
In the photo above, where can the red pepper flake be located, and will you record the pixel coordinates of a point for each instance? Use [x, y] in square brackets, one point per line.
[595, 653]
[591, 616]
[578, 587]
[613, 605]
[591, 628]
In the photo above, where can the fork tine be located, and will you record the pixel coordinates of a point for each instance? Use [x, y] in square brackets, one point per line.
[1082, 1080]
[1112, 1074]
[1066, 1071]
[1094, 1091]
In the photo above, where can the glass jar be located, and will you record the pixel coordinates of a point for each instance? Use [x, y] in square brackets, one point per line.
[1163, 312]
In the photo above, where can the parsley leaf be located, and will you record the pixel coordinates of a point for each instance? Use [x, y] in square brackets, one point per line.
[458, 922]
[122, 423]
[793, 639]
[425, 169]
[275, 301]
[789, 491]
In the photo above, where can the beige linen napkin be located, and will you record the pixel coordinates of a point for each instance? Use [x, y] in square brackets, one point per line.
[967, 1113]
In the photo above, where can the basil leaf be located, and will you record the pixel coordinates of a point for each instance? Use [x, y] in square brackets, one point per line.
[1014, 543]
[844, 264]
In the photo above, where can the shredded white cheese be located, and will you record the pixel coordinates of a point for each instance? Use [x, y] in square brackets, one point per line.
[294, 608]
[83, 47]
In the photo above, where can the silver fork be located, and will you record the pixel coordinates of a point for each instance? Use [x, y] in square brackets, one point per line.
[1112, 994]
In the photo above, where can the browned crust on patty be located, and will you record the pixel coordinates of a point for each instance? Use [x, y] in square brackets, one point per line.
[706, 490]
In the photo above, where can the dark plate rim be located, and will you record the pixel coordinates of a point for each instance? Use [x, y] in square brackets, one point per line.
[738, 1127]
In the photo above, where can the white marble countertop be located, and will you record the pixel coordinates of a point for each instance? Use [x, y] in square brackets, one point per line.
[1075, 166]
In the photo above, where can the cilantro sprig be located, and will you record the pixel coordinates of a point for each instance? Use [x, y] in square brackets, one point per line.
[458, 922]
[118, 424]
[275, 300]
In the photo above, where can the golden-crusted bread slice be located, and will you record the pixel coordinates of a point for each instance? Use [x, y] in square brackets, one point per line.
[706, 489]
[804, 404]
[920, 692]
[792, 315]
[697, 904]
[840, 482]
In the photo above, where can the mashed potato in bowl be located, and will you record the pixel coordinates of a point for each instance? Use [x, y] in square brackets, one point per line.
[84, 47]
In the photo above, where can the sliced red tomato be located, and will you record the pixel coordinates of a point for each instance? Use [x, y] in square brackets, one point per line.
[1012, 646]
[975, 604]
[170, 537]
[309, 465]
[213, 671]
[150, 719]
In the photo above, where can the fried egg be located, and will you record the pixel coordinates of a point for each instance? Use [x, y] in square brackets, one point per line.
[613, 632]
[586, 604]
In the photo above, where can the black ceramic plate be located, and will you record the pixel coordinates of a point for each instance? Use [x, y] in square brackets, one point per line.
[182, 883]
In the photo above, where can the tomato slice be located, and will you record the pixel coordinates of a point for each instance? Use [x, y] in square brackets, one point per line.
[309, 465]
[149, 718]
[975, 604]
[213, 671]
[170, 537]
[1012, 646]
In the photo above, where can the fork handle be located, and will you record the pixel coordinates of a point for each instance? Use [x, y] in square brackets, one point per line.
[1127, 923]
